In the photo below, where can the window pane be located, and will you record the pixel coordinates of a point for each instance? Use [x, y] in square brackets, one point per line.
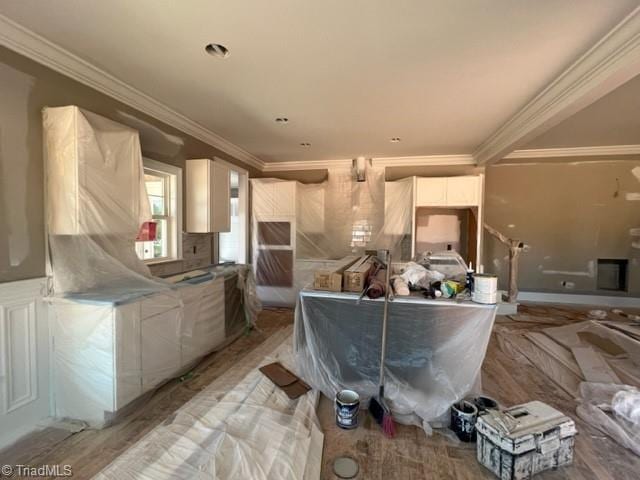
[157, 205]
[160, 245]
[154, 184]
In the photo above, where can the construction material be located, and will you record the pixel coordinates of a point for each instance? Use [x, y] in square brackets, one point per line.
[378, 406]
[331, 280]
[356, 276]
[593, 366]
[377, 287]
[347, 409]
[485, 289]
[287, 381]
[515, 247]
[524, 440]
[463, 420]
[400, 287]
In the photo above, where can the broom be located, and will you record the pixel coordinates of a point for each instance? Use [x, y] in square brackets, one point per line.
[378, 407]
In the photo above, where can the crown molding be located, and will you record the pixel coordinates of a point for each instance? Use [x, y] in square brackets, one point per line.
[417, 161]
[611, 62]
[599, 151]
[25, 42]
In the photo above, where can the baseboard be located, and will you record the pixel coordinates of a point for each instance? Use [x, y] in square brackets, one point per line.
[577, 299]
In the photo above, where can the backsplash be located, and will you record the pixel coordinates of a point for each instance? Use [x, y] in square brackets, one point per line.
[196, 253]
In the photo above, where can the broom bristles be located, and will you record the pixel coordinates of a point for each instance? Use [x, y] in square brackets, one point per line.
[388, 425]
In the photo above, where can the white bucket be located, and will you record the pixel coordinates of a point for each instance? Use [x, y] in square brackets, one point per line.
[485, 289]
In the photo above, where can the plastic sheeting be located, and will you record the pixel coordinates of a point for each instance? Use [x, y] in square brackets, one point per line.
[299, 227]
[435, 350]
[96, 203]
[112, 347]
[240, 426]
[614, 410]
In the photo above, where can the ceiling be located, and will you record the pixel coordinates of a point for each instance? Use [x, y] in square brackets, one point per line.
[442, 75]
[612, 120]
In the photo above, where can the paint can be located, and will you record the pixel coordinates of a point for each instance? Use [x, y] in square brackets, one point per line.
[463, 420]
[485, 288]
[347, 408]
[484, 403]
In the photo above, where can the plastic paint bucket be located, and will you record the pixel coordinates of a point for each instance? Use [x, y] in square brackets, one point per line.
[463, 420]
[347, 408]
[485, 288]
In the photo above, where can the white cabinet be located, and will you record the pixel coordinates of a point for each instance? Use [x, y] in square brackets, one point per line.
[160, 336]
[273, 198]
[310, 213]
[398, 201]
[431, 192]
[208, 196]
[106, 354]
[95, 178]
[461, 191]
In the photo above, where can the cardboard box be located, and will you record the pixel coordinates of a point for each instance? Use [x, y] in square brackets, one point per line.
[355, 277]
[331, 279]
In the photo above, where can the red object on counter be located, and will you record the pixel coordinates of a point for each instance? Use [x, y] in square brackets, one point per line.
[147, 232]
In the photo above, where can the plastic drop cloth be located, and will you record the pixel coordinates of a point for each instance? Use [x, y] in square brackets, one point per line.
[298, 228]
[118, 331]
[435, 350]
[240, 426]
[96, 203]
[614, 410]
[110, 350]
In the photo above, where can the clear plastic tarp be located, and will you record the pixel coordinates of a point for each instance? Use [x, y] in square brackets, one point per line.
[240, 426]
[298, 228]
[96, 203]
[110, 350]
[118, 331]
[435, 350]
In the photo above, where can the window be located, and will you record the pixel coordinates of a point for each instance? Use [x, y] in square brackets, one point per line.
[164, 184]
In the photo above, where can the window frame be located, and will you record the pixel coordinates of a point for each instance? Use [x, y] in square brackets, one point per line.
[173, 208]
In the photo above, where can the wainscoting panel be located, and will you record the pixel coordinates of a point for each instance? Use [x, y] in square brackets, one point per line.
[24, 358]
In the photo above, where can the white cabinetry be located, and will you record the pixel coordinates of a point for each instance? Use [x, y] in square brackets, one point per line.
[448, 191]
[107, 354]
[431, 192]
[95, 181]
[208, 196]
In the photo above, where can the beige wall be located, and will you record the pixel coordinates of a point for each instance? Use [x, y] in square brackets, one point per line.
[570, 214]
[25, 88]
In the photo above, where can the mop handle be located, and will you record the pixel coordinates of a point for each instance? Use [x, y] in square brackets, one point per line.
[385, 316]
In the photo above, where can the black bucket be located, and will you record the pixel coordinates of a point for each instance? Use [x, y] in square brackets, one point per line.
[463, 420]
[347, 408]
[484, 403]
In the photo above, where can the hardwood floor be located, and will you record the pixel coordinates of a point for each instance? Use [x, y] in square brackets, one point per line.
[508, 377]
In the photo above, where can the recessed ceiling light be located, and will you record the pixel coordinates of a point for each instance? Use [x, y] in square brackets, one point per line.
[217, 50]
[282, 120]
[305, 144]
[395, 140]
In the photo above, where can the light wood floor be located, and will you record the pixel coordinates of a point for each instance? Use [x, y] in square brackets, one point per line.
[411, 455]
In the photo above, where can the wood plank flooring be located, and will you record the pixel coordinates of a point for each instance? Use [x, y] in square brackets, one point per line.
[508, 377]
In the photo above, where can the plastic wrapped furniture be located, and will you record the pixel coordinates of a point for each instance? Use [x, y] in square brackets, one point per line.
[435, 349]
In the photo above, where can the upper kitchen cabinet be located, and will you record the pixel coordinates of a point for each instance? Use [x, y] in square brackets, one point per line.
[208, 196]
[94, 175]
[461, 191]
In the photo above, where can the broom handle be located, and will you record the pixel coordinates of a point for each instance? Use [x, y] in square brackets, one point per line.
[385, 316]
